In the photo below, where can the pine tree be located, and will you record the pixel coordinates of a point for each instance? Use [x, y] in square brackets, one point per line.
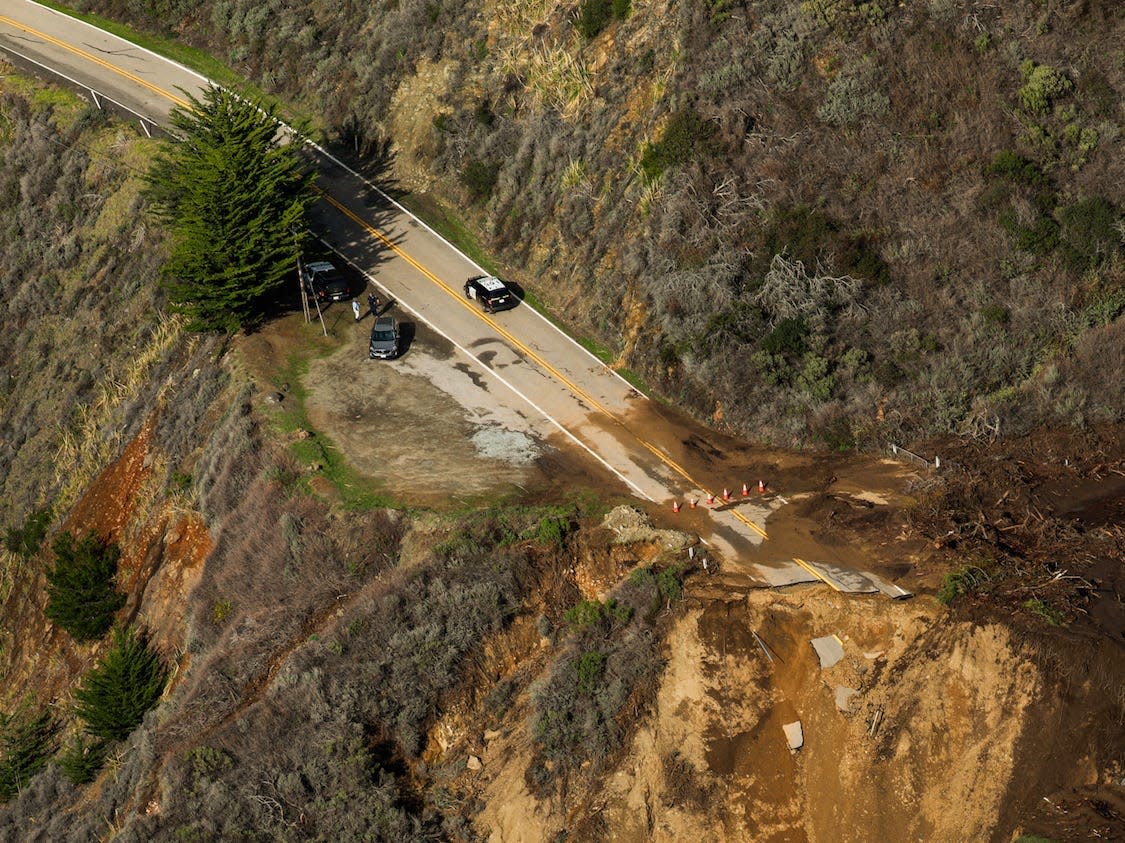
[234, 199]
[80, 586]
[127, 682]
[27, 741]
[81, 760]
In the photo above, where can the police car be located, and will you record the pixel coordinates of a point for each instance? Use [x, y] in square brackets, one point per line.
[324, 281]
[492, 293]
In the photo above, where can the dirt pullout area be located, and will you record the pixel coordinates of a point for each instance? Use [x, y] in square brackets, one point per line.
[426, 426]
[916, 733]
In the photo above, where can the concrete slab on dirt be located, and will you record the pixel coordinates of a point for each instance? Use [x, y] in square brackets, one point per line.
[794, 735]
[829, 649]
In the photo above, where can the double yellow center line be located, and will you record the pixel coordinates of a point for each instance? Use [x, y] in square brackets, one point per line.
[570, 384]
[132, 77]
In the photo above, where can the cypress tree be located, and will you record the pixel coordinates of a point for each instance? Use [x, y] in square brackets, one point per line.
[127, 682]
[81, 760]
[27, 741]
[234, 198]
[80, 587]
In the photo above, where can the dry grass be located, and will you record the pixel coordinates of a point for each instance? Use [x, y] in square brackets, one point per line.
[93, 440]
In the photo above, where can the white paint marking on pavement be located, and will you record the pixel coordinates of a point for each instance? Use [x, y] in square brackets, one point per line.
[496, 375]
[105, 33]
[601, 364]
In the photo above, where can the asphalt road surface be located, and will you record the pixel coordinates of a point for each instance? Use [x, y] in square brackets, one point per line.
[580, 400]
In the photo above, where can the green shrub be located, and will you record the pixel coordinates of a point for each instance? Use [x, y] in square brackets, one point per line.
[552, 530]
[814, 378]
[807, 235]
[25, 540]
[208, 763]
[668, 583]
[587, 670]
[480, 178]
[967, 580]
[27, 741]
[1039, 238]
[995, 314]
[787, 337]
[1044, 610]
[595, 15]
[687, 136]
[82, 759]
[127, 681]
[1089, 231]
[80, 586]
[1042, 85]
[1015, 168]
[852, 98]
[586, 614]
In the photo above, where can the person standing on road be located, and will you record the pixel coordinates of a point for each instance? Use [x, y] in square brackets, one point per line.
[373, 303]
[355, 309]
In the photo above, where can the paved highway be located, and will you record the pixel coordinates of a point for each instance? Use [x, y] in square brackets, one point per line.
[583, 400]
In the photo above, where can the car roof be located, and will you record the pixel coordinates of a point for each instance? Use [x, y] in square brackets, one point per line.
[320, 266]
[491, 283]
[383, 323]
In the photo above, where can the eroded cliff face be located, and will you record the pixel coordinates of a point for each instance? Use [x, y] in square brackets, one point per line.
[919, 732]
[922, 712]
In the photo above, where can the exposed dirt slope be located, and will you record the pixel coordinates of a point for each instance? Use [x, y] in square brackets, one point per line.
[919, 716]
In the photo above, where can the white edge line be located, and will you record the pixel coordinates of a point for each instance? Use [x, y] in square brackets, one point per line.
[80, 85]
[470, 261]
[495, 374]
[424, 225]
[361, 177]
[108, 34]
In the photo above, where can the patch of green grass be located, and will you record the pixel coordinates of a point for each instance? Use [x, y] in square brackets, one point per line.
[357, 492]
[1044, 610]
[967, 580]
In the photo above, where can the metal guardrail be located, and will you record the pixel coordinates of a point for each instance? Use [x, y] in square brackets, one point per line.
[909, 455]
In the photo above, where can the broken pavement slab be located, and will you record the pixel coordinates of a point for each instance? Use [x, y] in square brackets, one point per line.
[829, 649]
[844, 698]
[794, 735]
[850, 581]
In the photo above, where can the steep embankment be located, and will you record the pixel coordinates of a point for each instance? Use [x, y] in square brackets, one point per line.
[828, 221]
[514, 672]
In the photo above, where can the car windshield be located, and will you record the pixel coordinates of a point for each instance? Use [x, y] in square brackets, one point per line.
[385, 336]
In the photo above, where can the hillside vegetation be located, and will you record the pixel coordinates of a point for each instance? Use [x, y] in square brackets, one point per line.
[201, 638]
[828, 222]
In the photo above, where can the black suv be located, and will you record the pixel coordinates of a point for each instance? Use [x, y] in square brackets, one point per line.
[324, 281]
[492, 293]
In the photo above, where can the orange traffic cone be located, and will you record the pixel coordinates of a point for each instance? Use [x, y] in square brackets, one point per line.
[726, 494]
[692, 503]
[745, 490]
[675, 506]
[761, 487]
[710, 499]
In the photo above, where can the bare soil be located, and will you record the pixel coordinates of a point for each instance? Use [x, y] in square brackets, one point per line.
[425, 426]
